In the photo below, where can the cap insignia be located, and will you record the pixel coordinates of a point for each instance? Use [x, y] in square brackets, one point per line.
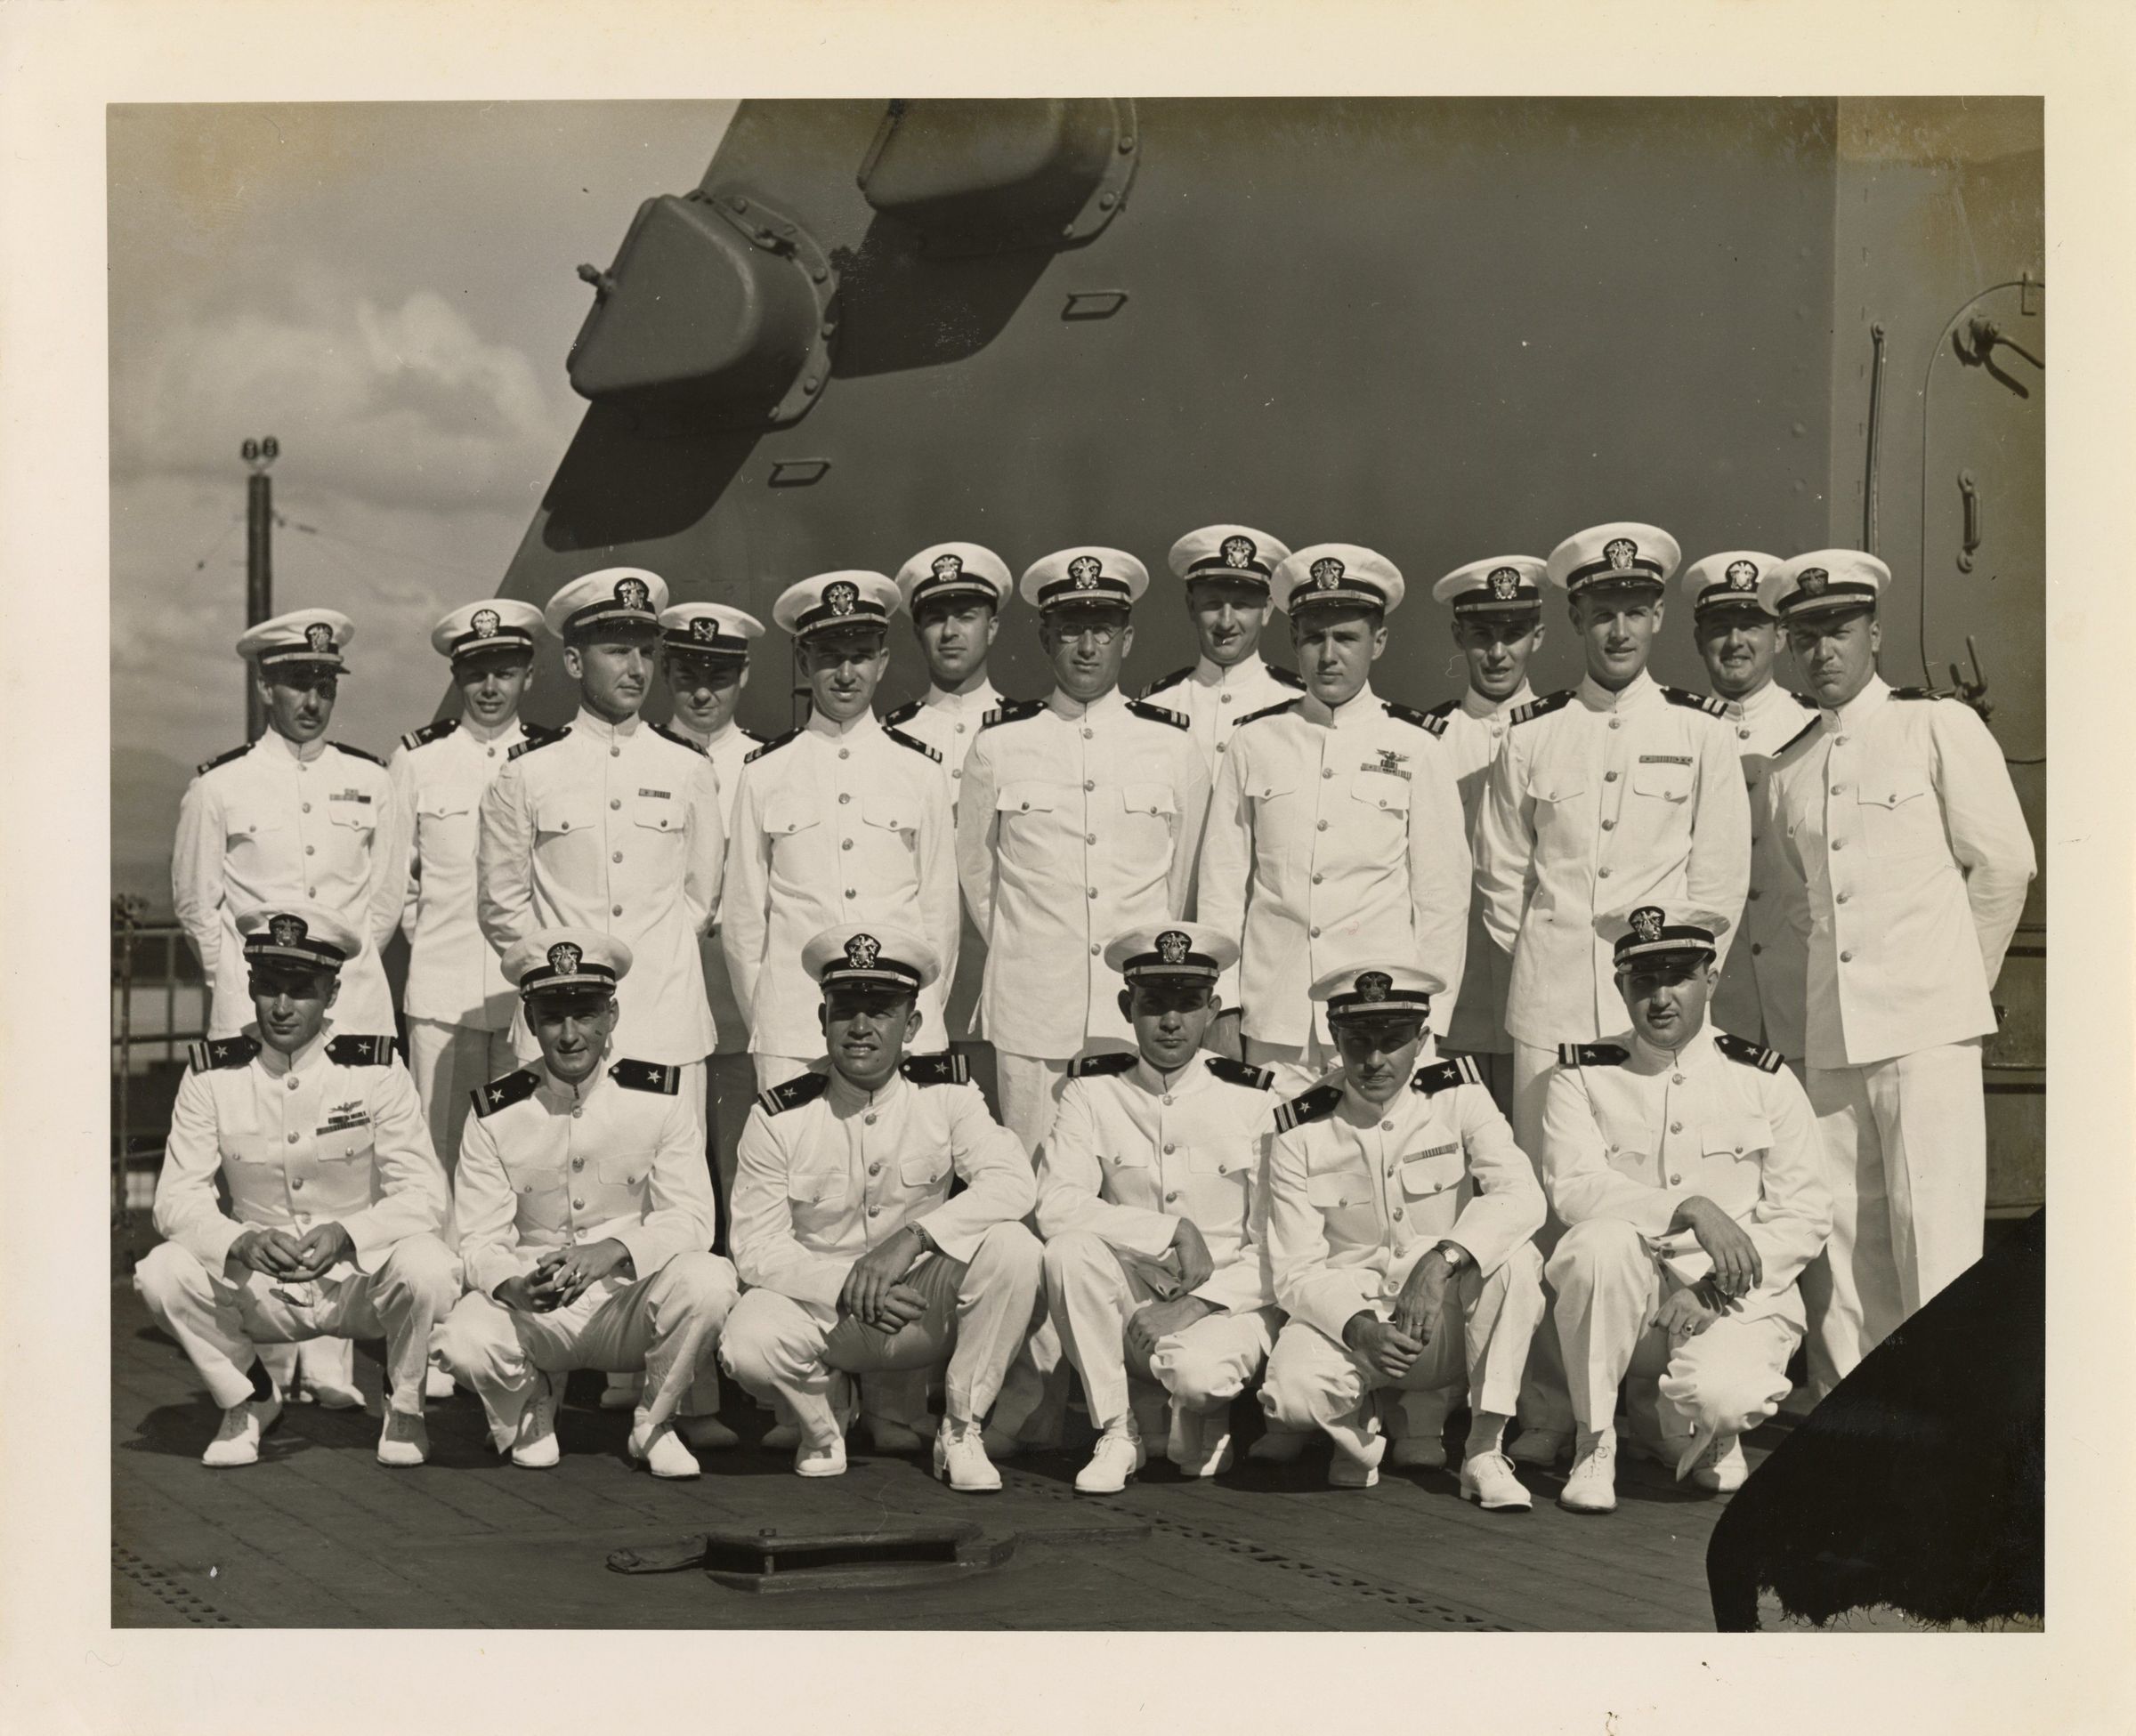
[1813, 581]
[1172, 947]
[485, 623]
[949, 566]
[840, 597]
[319, 637]
[704, 627]
[1083, 571]
[1647, 923]
[632, 593]
[1620, 552]
[563, 959]
[1743, 575]
[862, 950]
[287, 931]
[1327, 572]
[1374, 985]
[1238, 550]
[1505, 583]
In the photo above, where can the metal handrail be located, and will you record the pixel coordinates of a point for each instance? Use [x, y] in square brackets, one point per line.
[133, 933]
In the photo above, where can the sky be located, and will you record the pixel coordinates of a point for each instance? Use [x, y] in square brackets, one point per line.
[389, 290]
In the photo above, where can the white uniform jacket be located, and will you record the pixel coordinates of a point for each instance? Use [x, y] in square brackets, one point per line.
[1077, 823]
[273, 822]
[1357, 1196]
[726, 750]
[1761, 991]
[835, 823]
[1601, 801]
[1905, 844]
[331, 1134]
[949, 724]
[1630, 1131]
[1474, 730]
[441, 774]
[1333, 836]
[1216, 699]
[616, 828]
[1131, 1153]
[546, 1165]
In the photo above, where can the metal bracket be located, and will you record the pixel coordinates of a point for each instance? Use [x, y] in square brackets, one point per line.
[765, 227]
[1968, 491]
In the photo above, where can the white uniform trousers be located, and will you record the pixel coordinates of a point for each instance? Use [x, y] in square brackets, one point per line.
[1298, 1067]
[1544, 1403]
[1314, 1382]
[976, 1316]
[1029, 1089]
[1906, 1157]
[1723, 1381]
[664, 1324]
[219, 1321]
[449, 1064]
[1089, 1296]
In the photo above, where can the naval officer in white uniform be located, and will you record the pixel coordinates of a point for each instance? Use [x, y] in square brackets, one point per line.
[955, 593]
[1908, 857]
[705, 666]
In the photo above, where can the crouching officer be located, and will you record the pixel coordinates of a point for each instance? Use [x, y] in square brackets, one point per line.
[857, 1258]
[335, 1196]
[1400, 1213]
[586, 1219]
[1154, 1268]
[1683, 1162]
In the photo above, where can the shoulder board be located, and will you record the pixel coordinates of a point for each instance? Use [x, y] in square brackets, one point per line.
[545, 739]
[1802, 734]
[647, 1076]
[1685, 696]
[1100, 1066]
[223, 1052]
[1750, 1054]
[936, 1069]
[1444, 1075]
[914, 743]
[682, 741]
[1423, 720]
[1012, 711]
[1276, 710]
[750, 735]
[222, 759]
[1802, 699]
[360, 1051]
[1592, 1054]
[1286, 677]
[1916, 693]
[802, 1089]
[1159, 714]
[430, 732]
[773, 745]
[904, 713]
[502, 1093]
[1168, 682]
[1541, 708]
[1444, 710]
[1237, 1072]
[1319, 1102]
[358, 751]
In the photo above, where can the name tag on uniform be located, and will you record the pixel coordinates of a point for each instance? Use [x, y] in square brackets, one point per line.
[1390, 762]
[351, 795]
[666, 795]
[1664, 759]
[1438, 1150]
[348, 1115]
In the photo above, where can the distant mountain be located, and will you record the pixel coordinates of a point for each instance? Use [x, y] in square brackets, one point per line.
[145, 786]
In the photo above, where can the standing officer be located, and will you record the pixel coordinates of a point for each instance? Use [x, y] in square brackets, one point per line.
[1759, 995]
[1497, 627]
[1619, 790]
[1908, 856]
[1683, 1162]
[955, 593]
[335, 1197]
[1335, 827]
[586, 1219]
[1400, 1213]
[705, 663]
[842, 820]
[1079, 819]
[856, 1255]
[292, 817]
[1156, 1274]
[1226, 568]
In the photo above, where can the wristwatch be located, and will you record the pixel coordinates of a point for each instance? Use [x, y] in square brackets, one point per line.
[1455, 1255]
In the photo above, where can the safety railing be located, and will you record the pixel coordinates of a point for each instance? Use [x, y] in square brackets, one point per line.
[159, 1005]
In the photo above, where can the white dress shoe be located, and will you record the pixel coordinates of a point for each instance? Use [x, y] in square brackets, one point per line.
[662, 1451]
[437, 1384]
[887, 1435]
[782, 1437]
[1201, 1441]
[1488, 1480]
[622, 1391]
[1348, 1470]
[534, 1447]
[707, 1433]
[960, 1459]
[1120, 1455]
[1721, 1467]
[819, 1459]
[238, 1440]
[1539, 1446]
[1592, 1486]
[1278, 1446]
[404, 1441]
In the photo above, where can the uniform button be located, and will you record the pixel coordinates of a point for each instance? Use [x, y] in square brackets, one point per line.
[1223, 746]
[1839, 740]
[577, 1110]
[1609, 777]
[1846, 958]
[1757, 947]
[1604, 873]
[311, 849]
[297, 1186]
[310, 892]
[307, 807]
[1224, 698]
[292, 1081]
[578, 1205]
[1838, 788]
[843, 800]
[1094, 952]
[1676, 1181]
[1316, 880]
[851, 894]
[577, 1163]
[869, 1119]
[1088, 784]
[293, 1139]
[1387, 1128]
[1743, 735]
[1753, 893]
[1316, 934]
[491, 752]
[1087, 734]
[1167, 1149]
[845, 843]
[960, 729]
[875, 1169]
[1327, 771]
[615, 910]
[563, 826]
[874, 1211]
[1089, 837]
[845, 753]
[1397, 1213]
[1324, 825]
[615, 752]
[1676, 1126]
[1839, 844]
[1167, 1101]
[615, 857]
[1609, 826]
[1172, 1196]
[1676, 1079]
[615, 801]
[1089, 891]
[1616, 723]
[957, 771]
[1841, 898]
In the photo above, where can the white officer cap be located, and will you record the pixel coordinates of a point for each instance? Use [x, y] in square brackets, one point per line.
[1730, 580]
[1649, 930]
[1072, 578]
[316, 636]
[1826, 583]
[1359, 990]
[847, 598]
[963, 570]
[296, 932]
[613, 597]
[1236, 551]
[501, 624]
[870, 953]
[708, 629]
[1337, 574]
[1190, 949]
[552, 960]
[1617, 554]
[1504, 584]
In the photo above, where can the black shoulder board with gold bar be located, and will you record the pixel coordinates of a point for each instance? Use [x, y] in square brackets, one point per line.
[223, 1052]
[1444, 1075]
[430, 732]
[680, 740]
[1315, 1103]
[1750, 1054]
[1542, 708]
[1592, 1054]
[1685, 696]
[360, 1051]
[1423, 720]
[538, 737]
[1237, 1072]
[647, 1076]
[1801, 735]
[1276, 710]
[1286, 677]
[913, 742]
[1444, 710]
[1168, 682]
[771, 747]
[1012, 711]
[1159, 714]
[222, 759]
[1100, 1066]
[802, 1089]
[1802, 699]
[904, 713]
[502, 1093]
[357, 752]
[1917, 693]
[944, 1069]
